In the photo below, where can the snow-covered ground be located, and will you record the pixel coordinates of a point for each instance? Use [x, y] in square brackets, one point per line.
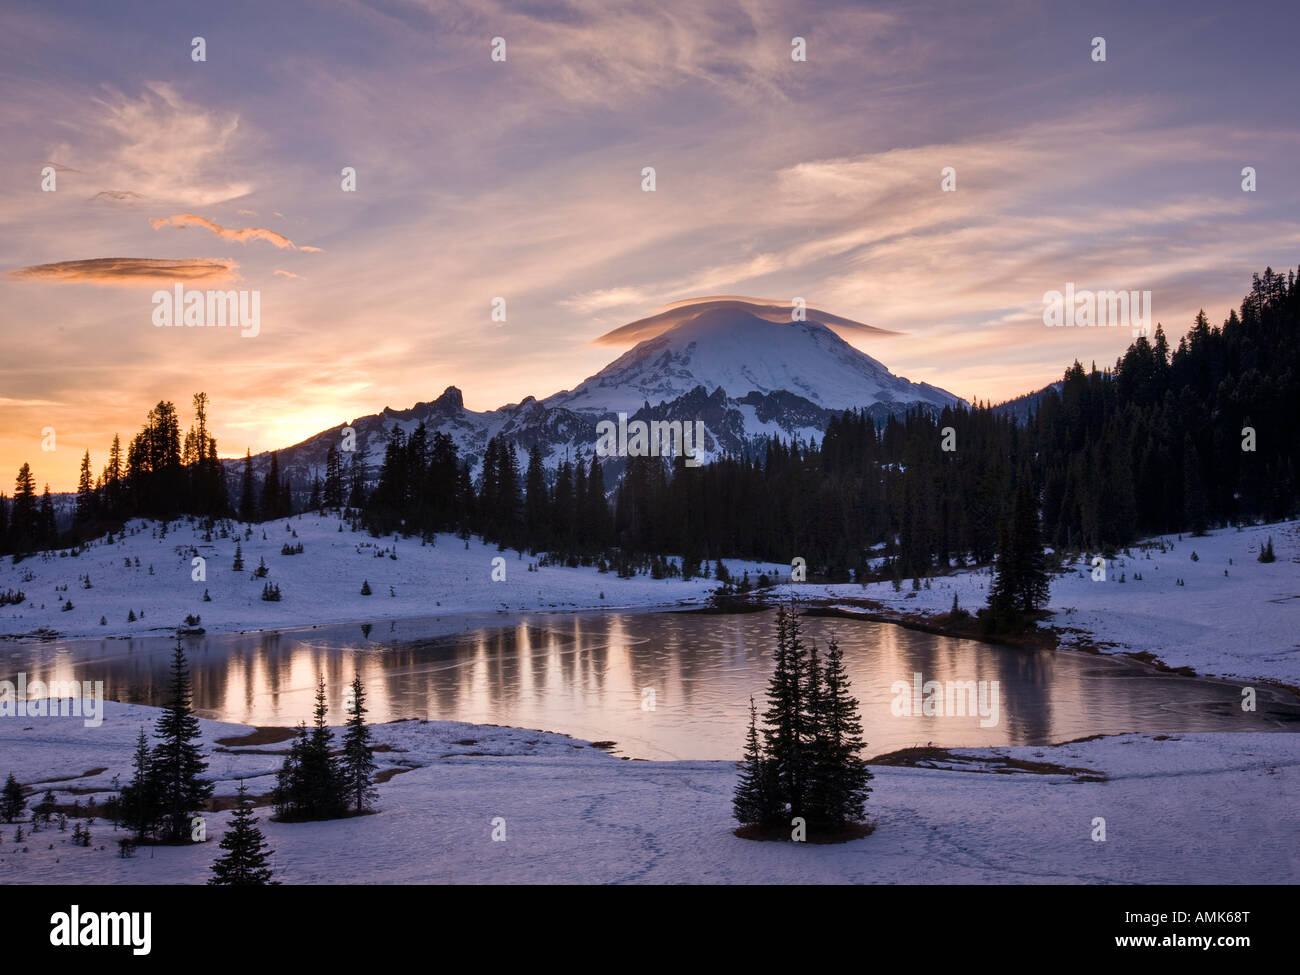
[1191, 808]
[1187, 809]
[322, 584]
[1245, 624]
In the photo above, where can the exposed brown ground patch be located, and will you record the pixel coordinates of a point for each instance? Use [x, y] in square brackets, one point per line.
[928, 756]
[962, 626]
[1147, 657]
[261, 735]
[71, 778]
[383, 776]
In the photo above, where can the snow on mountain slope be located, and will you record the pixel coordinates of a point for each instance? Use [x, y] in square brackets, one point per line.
[779, 378]
[732, 346]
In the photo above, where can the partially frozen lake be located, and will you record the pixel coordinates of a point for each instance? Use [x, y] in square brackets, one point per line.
[660, 685]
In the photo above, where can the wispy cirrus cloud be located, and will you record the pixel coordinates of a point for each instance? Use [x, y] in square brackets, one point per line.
[167, 148]
[15, 402]
[603, 299]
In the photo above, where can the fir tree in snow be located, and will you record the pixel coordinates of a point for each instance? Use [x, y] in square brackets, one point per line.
[11, 800]
[177, 762]
[358, 765]
[818, 768]
[809, 761]
[248, 490]
[245, 861]
[288, 792]
[310, 783]
[1022, 584]
[786, 736]
[139, 801]
[753, 801]
[271, 504]
[333, 489]
[839, 772]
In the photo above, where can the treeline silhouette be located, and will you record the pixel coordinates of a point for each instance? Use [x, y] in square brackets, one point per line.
[161, 474]
[1204, 434]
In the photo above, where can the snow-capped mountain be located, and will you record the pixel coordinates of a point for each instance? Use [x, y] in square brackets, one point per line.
[730, 344]
[739, 366]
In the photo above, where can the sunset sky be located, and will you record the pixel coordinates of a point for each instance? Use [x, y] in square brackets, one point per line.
[478, 179]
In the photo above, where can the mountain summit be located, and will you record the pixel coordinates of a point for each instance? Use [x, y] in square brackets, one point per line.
[739, 366]
[743, 346]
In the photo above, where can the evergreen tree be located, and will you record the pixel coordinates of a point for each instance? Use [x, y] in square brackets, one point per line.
[24, 521]
[49, 532]
[1194, 500]
[820, 767]
[810, 763]
[272, 496]
[139, 800]
[786, 736]
[562, 505]
[358, 764]
[177, 762]
[840, 774]
[245, 862]
[597, 514]
[333, 493]
[310, 784]
[85, 492]
[11, 800]
[753, 800]
[114, 501]
[1022, 584]
[248, 495]
[288, 794]
[535, 499]
[356, 484]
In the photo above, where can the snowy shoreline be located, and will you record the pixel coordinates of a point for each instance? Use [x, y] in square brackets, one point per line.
[1193, 808]
[1181, 808]
[1239, 626]
[322, 585]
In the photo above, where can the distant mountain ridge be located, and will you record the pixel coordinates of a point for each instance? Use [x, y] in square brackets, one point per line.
[726, 363]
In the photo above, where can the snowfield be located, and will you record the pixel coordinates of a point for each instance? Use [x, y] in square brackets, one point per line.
[322, 584]
[1221, 809]
[1244, 625]
[1186, 809]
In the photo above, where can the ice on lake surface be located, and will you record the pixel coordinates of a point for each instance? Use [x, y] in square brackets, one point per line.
[660, 685]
